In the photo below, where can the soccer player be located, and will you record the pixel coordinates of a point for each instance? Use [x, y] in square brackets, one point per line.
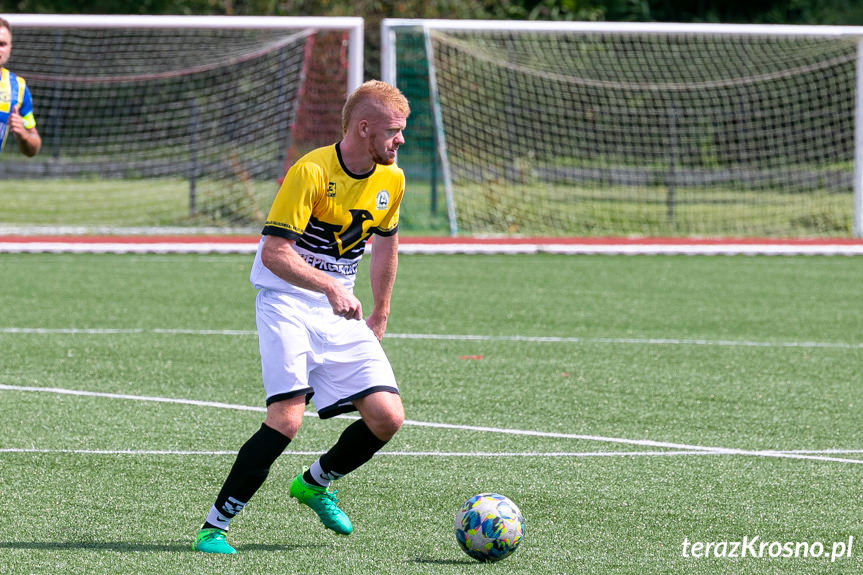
[315, 342]
[16, 105]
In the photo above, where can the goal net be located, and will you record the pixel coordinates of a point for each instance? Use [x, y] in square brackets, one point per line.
[616, 129]
[171, 122]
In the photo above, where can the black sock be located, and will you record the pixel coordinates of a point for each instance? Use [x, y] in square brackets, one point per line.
[356, 445]
[250, 470]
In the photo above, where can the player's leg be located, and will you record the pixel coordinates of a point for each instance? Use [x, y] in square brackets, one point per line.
[256, 456]
[284, 349]
[356, 375]
[250, 470]
[382, 416]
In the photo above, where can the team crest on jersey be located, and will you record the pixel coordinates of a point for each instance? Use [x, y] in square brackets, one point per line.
[382, 202]
[331, 190]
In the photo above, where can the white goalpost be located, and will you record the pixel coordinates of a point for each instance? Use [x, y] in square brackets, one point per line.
[601, 128]
[171, 122]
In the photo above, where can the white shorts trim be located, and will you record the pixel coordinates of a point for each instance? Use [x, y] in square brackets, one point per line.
[308, 350]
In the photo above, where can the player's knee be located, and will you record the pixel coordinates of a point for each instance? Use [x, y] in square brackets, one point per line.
[385, 430]
[284, 424]
[383, 413]
[395, 423]
[286, 427]
[284, 418]
[387, 426]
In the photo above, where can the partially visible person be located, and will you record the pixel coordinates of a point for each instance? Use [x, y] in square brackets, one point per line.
[16, 105]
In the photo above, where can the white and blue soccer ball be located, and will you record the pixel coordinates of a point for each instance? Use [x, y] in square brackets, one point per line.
[489, 527]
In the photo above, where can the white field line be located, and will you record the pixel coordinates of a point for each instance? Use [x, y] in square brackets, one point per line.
[423, 453]
[625, 340]
[456, 337]
[679, 447]
[390, 453]
[612, 248]
[83, 393]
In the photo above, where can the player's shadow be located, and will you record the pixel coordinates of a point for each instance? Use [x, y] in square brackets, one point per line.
[125, 546]
[93, 546]
[278, 547]
[429, 561]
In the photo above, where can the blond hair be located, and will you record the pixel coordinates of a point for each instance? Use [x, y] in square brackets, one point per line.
[378, 95]
[4, 23]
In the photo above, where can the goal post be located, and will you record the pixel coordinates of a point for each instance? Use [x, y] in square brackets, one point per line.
[171, 122]
[603, 128]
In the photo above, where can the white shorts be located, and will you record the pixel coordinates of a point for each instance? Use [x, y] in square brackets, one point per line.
[308, 350]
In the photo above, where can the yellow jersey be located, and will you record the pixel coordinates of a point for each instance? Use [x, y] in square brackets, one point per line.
[330, 213]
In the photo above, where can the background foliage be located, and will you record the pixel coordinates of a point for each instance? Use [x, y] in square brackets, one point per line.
[835, 12]
[766, 11]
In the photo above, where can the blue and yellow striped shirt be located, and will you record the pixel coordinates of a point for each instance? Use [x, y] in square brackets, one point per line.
[14, 92]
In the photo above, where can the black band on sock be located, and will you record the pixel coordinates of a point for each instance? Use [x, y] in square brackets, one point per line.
[356, 445]
[251, 467]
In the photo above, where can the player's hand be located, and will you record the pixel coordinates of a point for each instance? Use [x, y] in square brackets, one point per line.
[16, 122]
[344, 303]
[377, 322]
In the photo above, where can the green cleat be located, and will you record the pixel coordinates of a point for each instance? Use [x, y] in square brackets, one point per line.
[212, 540]
[323, 503]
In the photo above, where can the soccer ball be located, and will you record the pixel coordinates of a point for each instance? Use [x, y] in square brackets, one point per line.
[489, 527]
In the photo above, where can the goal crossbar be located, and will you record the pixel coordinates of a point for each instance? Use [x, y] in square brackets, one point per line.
[389, 24]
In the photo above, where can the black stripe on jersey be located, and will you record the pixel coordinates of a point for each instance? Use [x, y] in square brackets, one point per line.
[321, 238]
[384, 233]
[281, 232]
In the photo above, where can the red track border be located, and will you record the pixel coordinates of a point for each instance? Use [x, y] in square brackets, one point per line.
[430, 245]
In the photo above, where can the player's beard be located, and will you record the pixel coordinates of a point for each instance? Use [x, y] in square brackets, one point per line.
[382, 158]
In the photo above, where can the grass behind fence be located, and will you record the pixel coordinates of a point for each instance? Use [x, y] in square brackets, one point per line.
[170, 203]
[490, 208]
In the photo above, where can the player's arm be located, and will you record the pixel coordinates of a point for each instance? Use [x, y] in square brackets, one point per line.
[383, 263]
[279, 257]
[29, 140]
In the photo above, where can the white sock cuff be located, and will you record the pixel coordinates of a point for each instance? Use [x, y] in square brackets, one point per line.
[319, 475]
[217, 519]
